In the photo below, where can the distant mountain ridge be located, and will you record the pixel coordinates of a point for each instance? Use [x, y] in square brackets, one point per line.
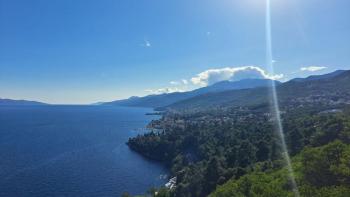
[317, 77]
[331, 88]
[235, 85]
[156, 101]
[19, 102]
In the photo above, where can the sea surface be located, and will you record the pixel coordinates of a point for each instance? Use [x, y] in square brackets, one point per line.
[73, 151]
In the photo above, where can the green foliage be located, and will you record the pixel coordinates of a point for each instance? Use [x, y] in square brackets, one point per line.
[320, 172]
[225, 141]
[206, 149]
[328, 165]
[256, 184]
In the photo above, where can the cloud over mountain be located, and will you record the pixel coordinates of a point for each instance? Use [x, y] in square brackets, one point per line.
[165, 90]
[313, 68]
[212, 76]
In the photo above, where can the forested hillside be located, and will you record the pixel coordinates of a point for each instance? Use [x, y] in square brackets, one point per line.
[205, 151]
[320, 171]
[233, 150]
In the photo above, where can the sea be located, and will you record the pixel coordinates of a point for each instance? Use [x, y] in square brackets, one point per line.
[58, 150]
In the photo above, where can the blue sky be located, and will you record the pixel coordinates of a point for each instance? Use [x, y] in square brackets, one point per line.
[84, 51]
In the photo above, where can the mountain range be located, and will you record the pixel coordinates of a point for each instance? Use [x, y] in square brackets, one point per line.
[334, 85]
[246, 92]
[19, 102]
[316, 77]
[328, 89]
[161, 100]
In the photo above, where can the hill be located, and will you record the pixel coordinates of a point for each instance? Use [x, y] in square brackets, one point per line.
[319, 172]
[19, 102]
[236, 152]
[156, 101]
[225, 144]
[316, 77]
[323, 89]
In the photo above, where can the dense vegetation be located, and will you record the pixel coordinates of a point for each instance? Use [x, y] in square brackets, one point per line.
[204, 150]
[232, 149]
[323, 171]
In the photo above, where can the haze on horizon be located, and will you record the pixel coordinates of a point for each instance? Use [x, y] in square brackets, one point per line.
[88, 51]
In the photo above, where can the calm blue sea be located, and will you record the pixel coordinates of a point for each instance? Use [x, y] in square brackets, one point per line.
[73, 151]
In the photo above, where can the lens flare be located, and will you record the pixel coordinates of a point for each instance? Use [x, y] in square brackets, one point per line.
[274, 99]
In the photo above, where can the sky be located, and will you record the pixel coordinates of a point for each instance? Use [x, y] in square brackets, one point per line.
[85, 51]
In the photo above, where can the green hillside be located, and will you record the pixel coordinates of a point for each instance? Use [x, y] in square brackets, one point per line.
[206, 150]
[320, 172]
[234, 150]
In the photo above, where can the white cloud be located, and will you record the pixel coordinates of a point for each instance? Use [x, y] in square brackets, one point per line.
[212, 76]
[313, 68]
[174, 82]
[165, 90]
[180, 82]
[176, 86]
